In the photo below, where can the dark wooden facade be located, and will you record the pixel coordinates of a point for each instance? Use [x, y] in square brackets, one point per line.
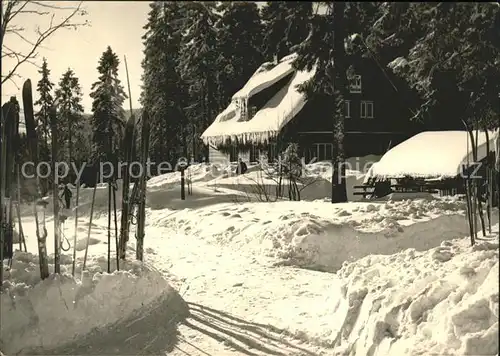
[378, 116]
[375, 119]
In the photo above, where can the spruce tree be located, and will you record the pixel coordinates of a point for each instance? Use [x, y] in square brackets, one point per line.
[163, 91]
[45, 102]
[448, 52]
[198, 68]
[286, 23]
[324, 48]
[107, 109]
[69, 98]
[240, 34]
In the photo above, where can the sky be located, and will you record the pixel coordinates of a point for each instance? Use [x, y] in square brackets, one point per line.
[118, 24]
[114, 23]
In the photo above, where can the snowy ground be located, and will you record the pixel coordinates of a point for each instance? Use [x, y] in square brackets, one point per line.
[401, 279]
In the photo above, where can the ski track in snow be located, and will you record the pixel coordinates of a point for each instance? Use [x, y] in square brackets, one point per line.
[216, 281]
[239, 305]
[241, 301]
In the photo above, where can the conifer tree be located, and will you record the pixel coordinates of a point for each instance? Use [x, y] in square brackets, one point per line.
[198, 68]
[45, 102]
[240, 34]
[448, 52]
[163, 91]
[324, 49]
[285, 25]
[107, 109]
[69, 98]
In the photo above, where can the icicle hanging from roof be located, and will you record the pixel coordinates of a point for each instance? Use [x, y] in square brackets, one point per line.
[235, 125]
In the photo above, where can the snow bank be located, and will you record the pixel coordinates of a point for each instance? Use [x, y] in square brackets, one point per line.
[404, 284]
[419, 157]
[321, 235]
[40, 315]
[219, 180]
[258, 184]
[195, 173]
[439, 302]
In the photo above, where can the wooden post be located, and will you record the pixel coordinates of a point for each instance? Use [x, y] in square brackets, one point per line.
[183, 192]
[75, 234]
[109, 227]
[90, 222]
[116, 232]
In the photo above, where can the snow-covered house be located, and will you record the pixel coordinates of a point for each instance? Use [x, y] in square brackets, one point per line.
[269, 112]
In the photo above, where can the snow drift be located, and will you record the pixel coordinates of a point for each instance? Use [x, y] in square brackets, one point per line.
[439, 302]
[38, 316]
[320, 235]
[409, 283]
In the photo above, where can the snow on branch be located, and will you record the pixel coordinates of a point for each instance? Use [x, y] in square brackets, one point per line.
[12, 9]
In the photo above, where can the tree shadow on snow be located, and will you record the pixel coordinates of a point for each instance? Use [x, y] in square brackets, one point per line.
[161, 199]
[245, 337]
[152, 330]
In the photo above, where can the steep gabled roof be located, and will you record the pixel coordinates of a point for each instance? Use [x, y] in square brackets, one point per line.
[263, 78]
[271, 118]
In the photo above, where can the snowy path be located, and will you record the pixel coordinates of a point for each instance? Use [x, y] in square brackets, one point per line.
[235, 309]
[239, 304]
[242, 303]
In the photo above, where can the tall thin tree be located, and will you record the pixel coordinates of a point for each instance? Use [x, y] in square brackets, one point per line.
[108, 121]
[198, 63]
[45, 102]
[107, 108]
[324, 49]
[69, 97]
[163, 93]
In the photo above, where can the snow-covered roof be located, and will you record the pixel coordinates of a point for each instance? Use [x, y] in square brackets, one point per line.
[431, 154]
[271, 118]
[261, 80]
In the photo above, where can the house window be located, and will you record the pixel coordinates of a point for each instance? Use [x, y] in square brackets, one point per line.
[240, 104]
[253, 111]
[272, 152]
[355, 85]
[347, 109]
[322, 151]
[254, 154]
[366, 110]
[233, 154]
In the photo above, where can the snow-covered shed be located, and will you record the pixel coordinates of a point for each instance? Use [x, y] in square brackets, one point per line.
[435, 155]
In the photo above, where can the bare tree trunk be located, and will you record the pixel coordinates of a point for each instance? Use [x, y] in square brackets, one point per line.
[339, 89]
[477, 186]
[488, 183]
[47, 152]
